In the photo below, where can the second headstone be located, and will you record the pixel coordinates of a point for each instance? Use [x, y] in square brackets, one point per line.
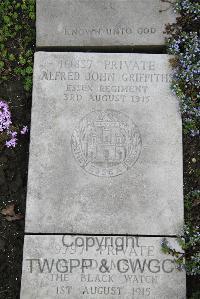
[101, 23]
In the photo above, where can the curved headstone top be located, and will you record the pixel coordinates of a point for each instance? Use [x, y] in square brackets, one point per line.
[100, 23]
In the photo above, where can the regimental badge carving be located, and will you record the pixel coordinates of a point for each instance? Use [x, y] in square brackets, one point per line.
[106, 143]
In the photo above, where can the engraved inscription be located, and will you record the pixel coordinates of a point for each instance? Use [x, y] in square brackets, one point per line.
[116, 31]
[106, 143]
[106, 267]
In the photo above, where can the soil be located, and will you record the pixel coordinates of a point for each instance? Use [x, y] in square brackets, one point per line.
[13, 181]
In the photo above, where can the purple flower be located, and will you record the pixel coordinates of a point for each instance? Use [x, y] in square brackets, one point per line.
[5, 116]
[13, 134]
[194, 133]
[24, 130]
[11, 143]
[5, 122]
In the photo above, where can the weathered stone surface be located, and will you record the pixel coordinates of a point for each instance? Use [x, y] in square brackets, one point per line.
[99, 267]
[106, 148]
[102, 23]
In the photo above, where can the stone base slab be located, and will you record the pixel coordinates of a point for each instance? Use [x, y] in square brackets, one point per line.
[108, 267]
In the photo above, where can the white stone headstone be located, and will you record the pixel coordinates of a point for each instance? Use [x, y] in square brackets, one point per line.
[94, 267]
[106, 146]
[100, 23]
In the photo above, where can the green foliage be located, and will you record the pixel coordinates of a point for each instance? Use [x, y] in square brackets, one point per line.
[192, 207]
[196, 295]
[17, 38]
[184, 44]
[189, 257]
[189, 241]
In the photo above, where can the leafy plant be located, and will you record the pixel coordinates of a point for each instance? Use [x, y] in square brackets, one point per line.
[184, 44]
[17, 38]
[189, 258]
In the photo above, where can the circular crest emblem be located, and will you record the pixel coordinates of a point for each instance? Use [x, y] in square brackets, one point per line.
[106, 143]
